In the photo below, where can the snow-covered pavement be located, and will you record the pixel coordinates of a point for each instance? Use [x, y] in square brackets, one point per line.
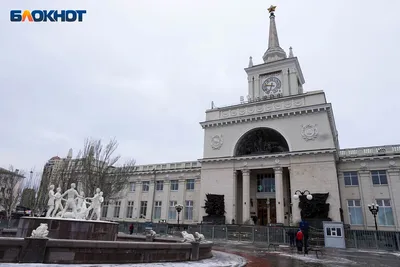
[220, 259]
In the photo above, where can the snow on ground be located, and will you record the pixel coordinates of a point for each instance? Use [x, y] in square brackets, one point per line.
[312, 258]
[220, 259]
[397, 254]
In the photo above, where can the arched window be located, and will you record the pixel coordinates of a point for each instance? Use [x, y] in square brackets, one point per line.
[261, 141]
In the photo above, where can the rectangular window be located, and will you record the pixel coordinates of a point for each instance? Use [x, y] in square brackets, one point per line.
[157, 210]
[145, 186]
[350, 178]
[129, 211]
[159, 185]
[334, 231]
[385, 213]
[190, 184]
[172, 210]
[104, 210]
[379, 177]
[266, 183]
[132, 187]
[355, 212]
[117, 209]
[143, 209]
[174, 185]
[189, 210]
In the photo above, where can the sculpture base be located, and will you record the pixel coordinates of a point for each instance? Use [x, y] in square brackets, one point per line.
[60, 228]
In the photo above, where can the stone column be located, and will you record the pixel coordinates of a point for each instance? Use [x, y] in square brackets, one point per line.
[138, 199]
[196, 203]
[367, 196]
[165, 203]
[234, 197]
[246, 195]
[181, 198]
[150, 203]
[280, 213]
[394, 186]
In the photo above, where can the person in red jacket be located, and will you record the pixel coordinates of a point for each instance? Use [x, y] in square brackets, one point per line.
[299, 240]
[131, 228]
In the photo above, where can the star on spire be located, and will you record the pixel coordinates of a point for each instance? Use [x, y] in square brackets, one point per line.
[271, 9]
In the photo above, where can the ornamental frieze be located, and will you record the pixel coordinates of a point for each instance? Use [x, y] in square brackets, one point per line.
[260, 108]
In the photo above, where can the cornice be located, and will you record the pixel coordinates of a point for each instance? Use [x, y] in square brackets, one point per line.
[151, 172]
[369, 158]
[269, 156]
[266, 116]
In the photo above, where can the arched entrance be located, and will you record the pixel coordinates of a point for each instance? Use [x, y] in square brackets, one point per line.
[261, 141]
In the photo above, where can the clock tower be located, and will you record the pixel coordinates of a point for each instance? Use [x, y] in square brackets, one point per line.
[279, 75]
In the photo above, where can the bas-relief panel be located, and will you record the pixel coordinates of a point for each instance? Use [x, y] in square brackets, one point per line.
[261, 108]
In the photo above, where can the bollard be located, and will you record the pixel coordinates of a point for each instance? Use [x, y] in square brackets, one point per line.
[195, 251]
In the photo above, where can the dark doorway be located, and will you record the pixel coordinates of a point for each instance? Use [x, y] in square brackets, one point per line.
[272, 215]
[262, 213]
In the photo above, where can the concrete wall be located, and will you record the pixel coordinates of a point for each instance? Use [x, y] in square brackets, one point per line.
[366, 192]
[98, 252]
[289, 127]
[318, 174]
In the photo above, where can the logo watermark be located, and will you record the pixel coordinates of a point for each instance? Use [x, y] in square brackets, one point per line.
[47, 15]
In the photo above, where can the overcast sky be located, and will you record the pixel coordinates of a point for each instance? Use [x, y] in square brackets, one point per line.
[146, 71]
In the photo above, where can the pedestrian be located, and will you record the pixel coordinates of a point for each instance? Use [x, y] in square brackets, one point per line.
[304, 226]
[292, 237]
[131, 229]
[299, 241]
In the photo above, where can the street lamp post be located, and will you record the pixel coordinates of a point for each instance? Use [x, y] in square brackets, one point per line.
[178, 208]
[309, 196]
[374, 209]
[299, 193]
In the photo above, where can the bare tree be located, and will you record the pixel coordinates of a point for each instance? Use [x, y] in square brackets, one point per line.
[30, 189]
[99, 168]
[11, 182]
[62, 175]
[96, 166]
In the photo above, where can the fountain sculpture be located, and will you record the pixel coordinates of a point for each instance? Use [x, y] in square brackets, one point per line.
[71, 215]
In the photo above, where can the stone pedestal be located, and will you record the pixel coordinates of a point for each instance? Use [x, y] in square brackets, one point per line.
[60, 228]
[149, 238]
[33, 250]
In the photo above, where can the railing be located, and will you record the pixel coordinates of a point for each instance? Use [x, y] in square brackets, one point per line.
[12, 224]
[369, 151]
[359, 239]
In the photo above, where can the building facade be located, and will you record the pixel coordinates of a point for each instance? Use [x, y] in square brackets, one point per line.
[259, 153]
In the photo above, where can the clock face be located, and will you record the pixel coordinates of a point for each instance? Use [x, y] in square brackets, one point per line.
[271, 85]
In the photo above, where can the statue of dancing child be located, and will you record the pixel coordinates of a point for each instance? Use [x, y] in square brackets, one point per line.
[57, 203]
[71, 202]
[94, 204]
[50, 203]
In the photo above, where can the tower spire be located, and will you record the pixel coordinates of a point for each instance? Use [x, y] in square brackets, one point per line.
[291, 52]
[274, 51]
[250, 62]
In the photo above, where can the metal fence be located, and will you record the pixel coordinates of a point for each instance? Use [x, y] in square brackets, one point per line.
[13, 223]
[359, 239]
